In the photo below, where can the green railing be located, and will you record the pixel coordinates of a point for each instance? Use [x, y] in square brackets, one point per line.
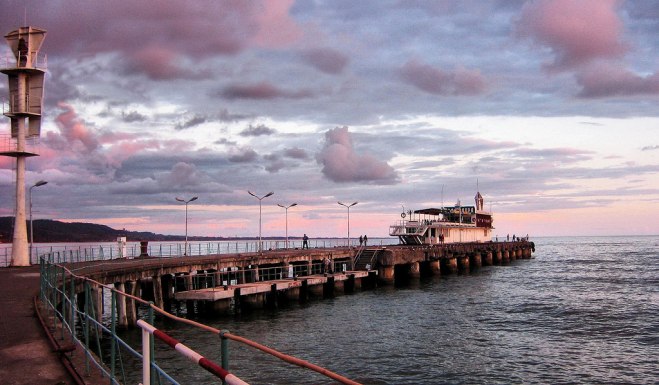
[84, 313]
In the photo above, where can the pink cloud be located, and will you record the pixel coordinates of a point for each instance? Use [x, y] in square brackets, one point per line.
[342, 164]
[435, 81]
[577, 31]
[275, 27]
[157, 63]
[263, 90]
[100, 151]
[75, 131]
[138, 30]
[603, 81]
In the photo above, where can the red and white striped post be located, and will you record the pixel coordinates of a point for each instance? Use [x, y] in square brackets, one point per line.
[190, 354]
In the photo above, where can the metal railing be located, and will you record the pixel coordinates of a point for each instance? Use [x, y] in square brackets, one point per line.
[39, 61]
[87, 252]
[217, 280]
[77, 309]
[149, 330]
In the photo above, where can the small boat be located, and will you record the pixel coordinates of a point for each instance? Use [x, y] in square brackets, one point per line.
[447, 224]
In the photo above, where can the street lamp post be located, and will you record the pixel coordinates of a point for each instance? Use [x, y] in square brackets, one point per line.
[39, 183]
[185, 252]
[348, 207]
[260, 199]
[286, 208]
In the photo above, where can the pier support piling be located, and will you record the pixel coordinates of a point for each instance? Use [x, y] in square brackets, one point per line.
[122, 318]
[386, 274]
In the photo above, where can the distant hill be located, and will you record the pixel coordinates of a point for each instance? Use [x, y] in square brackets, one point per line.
[47, 231]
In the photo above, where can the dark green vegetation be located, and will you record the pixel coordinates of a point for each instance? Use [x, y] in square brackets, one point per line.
[47, 231]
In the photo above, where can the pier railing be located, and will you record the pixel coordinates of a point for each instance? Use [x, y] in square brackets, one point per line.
[87, 252]
[84, 314]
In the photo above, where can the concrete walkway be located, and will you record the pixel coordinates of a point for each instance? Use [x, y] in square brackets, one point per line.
[26, 356]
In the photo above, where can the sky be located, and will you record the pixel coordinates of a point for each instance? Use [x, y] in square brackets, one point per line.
[550, 108]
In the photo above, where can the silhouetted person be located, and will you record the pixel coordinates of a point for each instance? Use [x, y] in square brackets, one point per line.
[305, 242]
[365, 240]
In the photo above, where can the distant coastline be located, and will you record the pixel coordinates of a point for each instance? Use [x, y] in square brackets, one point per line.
[52, 231]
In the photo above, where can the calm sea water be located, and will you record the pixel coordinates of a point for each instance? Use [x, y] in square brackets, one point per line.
[584, 310]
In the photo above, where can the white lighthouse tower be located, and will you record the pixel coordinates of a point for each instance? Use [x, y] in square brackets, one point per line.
[25, 69]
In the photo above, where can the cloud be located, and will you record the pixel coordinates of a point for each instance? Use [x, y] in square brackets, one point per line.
[275, 26]
[607, 80]
[326, 60]
[262, 90]
[140, 31]
[191, 122]
[259, 130]
[296, 153]
[275, 163]
[242, 155]
[283, 159]
[438, 82]
[226, 116]
[342, 164]
[577, 31]
[181, 175]
[75, 131]
[132, 116]
[562, 155]
[650, 148]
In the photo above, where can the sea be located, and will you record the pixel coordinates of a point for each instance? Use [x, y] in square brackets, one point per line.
[583, 310]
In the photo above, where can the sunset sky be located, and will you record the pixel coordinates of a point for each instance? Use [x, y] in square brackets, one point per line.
[551, 106]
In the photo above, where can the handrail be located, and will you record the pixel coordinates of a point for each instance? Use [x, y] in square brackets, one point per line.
[358, 254]
[210, 366]
[284, 357]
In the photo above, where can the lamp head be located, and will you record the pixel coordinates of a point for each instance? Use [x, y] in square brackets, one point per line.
[40, 183]
[268, 194]
[193, 199]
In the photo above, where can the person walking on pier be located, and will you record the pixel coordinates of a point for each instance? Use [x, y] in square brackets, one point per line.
[305, 242]
[361, 241]
[365, 240]
[326, 265]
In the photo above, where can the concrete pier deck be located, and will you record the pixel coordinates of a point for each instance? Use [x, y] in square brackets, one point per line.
[26, 356]
[219, 292]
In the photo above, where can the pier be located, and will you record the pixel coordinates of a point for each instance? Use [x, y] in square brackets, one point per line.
[242, 281]
[86, 300]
